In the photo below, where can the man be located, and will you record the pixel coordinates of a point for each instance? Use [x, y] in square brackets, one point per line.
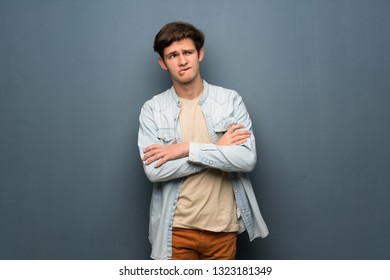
[197, 145]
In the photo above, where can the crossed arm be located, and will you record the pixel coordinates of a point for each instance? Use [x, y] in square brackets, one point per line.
[160, 154]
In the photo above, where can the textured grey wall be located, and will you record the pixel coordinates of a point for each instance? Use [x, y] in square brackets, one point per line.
[313, 74]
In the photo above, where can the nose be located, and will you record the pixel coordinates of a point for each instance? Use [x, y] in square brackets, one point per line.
[182, 60]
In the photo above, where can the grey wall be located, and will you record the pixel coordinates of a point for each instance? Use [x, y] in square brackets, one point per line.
[314, 76]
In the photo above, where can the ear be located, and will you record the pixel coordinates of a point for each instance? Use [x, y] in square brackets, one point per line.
[162, 63]
[201, 54]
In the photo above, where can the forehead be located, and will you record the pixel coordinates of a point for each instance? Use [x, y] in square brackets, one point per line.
[184, 44]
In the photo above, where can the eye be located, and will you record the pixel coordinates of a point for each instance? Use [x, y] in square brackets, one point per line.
[173, 55]
[188, 52]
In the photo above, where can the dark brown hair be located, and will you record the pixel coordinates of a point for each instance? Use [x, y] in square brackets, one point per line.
[176, 31]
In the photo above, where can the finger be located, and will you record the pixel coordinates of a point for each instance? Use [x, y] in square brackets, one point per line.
[240, 142]
[145, 157]
[234, 127]
[240, 139]
[148, 155]
[241, 133]
[149, 160]
[160, 162]
[151, 147]
[152, 158]
[151, 151]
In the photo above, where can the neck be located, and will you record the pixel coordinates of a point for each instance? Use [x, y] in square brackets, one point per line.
[189, 90]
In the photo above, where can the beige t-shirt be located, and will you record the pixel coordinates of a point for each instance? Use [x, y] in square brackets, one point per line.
[206, 200]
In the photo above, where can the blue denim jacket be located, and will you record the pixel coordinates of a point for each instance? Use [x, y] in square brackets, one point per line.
[159, 123]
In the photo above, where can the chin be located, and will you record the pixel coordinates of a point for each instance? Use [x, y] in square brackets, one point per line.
[185, 81]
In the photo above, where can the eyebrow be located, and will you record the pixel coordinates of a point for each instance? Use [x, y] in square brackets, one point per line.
[174, 52]
[183, 50]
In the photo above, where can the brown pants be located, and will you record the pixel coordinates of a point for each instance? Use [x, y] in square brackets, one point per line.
[192, 244]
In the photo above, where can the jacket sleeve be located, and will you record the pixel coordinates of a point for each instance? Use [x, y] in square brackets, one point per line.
[147, 135]
[236, 158]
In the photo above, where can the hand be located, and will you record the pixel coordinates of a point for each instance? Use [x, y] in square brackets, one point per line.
[234, 136]
[162, 153]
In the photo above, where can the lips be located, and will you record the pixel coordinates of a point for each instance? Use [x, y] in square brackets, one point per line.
[182, 71]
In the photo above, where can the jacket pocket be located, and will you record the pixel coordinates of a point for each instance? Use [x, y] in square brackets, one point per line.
[223, 125]
[167, 135]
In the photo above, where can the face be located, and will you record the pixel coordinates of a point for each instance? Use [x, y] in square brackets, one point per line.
[182, 59]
